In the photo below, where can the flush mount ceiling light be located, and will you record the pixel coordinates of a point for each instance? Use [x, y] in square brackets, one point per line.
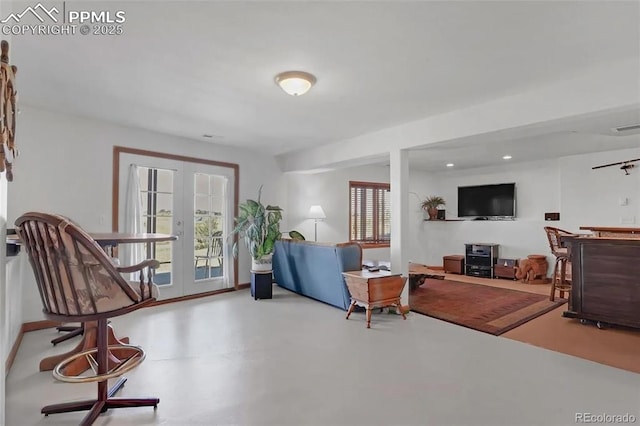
[450, 164]
[507, 157]
[295, 83]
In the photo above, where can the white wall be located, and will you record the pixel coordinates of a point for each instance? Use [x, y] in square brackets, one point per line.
[567, 185]
[65, 166]
[592, 197]
[331, 191]
[7, 328]
[5, 332]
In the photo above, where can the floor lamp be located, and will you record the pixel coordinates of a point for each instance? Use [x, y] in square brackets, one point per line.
[317, 214]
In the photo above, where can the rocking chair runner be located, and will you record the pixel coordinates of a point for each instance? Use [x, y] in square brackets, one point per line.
[78, 283]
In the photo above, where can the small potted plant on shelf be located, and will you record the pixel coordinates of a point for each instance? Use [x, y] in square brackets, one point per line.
[260, 228]
[431, 204]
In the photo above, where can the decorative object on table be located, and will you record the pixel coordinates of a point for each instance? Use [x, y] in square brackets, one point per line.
[484, 308]
[295, 235]
[317, 214]
[533, 269]
[259, 226]
[374, 290]
[8, 112]
[431, 204]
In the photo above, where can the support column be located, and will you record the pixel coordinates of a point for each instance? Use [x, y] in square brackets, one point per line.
[399, 179]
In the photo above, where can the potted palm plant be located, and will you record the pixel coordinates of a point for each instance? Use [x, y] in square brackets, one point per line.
[259, 226]
[431, 204]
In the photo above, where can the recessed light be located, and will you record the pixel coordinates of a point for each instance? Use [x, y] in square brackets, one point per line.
[449, 164]
[506, 157]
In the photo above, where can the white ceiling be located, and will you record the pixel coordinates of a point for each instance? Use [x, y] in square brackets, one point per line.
[190, 68]
[569, 137]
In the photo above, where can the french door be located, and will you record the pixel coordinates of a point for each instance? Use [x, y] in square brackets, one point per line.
[192, 201]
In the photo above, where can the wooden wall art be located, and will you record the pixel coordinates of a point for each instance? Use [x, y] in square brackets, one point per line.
[7, 111]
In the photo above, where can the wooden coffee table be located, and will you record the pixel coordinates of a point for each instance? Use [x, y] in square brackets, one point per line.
[374, 290]
[418, 273]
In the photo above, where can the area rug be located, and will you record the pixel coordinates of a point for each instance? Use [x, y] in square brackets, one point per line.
[492, 310]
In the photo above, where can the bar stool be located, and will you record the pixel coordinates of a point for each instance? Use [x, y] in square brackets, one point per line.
[559, 281]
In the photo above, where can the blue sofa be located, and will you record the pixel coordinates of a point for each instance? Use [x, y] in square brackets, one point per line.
[315, 269]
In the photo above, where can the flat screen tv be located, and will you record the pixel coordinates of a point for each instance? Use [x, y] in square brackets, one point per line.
[487, 201]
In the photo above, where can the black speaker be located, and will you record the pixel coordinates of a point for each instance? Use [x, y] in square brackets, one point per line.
[441, 215]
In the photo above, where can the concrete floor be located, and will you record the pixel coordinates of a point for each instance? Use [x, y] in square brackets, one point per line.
[228, 360]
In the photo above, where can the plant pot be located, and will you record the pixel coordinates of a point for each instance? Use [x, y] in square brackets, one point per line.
[262, 265]
[433, 213]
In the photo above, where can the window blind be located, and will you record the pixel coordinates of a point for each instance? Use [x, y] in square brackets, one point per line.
[370, 212]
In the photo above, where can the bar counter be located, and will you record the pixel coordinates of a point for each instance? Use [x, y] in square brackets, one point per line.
[605, 280]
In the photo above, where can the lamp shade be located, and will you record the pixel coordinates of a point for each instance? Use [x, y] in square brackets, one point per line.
[295, 83]
[316, 212]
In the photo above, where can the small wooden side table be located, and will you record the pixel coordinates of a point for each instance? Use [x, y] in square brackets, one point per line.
[374, 290]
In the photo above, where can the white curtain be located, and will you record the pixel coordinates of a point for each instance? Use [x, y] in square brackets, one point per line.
[132, 254]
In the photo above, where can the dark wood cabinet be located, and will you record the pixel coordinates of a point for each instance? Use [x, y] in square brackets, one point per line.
[605, 284]
[506, 268]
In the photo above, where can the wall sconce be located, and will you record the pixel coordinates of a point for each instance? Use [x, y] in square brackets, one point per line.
[317, 214]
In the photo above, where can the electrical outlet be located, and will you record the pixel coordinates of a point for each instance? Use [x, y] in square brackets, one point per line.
[627, 220]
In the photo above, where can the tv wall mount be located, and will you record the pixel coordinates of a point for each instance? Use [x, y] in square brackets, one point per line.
[624, 165]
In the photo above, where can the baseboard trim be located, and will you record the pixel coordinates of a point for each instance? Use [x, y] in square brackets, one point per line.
[199, 295]
[244, 286]
[39, 325]
[14, 351]
[25, 328]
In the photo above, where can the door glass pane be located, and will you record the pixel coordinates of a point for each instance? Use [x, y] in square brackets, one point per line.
[201, 204]
[165, 181]
[156, 187]
[209, 214]
[202, 184]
